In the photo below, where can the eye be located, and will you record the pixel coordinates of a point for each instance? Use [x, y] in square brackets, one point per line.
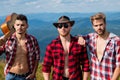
[17, 24]
[101, 24]
[22, 25]
[95, 25]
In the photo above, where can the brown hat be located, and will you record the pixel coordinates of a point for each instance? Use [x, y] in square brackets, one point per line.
[64, 19]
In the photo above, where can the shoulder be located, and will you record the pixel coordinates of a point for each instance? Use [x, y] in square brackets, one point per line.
[53, 42]
[92, 34]
[114, 37]
[75, 39]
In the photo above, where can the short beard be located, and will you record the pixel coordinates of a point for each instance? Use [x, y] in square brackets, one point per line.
[103, 32]
[65, 34]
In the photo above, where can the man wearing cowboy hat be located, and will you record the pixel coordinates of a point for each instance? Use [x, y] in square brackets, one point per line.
[66, 57]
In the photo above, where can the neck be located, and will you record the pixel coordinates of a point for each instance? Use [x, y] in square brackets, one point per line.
[20, 36]
[65, 38]
[104, 36]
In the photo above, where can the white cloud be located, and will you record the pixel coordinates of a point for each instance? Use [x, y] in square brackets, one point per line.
[36, 6]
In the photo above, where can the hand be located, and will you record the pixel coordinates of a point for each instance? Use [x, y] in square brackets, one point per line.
[2, 40]
[31, 76]
[12, 30]
[81, 41]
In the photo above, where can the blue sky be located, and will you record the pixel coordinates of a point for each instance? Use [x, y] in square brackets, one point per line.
[41, 6]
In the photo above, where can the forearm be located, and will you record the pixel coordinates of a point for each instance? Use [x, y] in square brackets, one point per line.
[85, 75]
[46, 76]
[116, 74]
[36, 66]
[4, 38]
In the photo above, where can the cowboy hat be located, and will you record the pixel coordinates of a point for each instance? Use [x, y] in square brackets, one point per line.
[64, 19]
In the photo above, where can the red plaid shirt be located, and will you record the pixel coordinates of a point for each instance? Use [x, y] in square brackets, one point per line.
[54, 57]
[104, 69]
[10, 48]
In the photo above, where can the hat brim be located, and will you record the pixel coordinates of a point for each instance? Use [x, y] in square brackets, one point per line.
[71, 22]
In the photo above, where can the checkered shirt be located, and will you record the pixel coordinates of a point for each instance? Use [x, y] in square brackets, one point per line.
[10, 48]
[55, 58]
[104, 69]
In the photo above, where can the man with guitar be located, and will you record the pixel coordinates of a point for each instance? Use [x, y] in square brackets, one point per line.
[22, 51]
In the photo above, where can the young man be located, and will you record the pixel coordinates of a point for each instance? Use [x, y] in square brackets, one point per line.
[104, 50]
[65, 56]
[22, 52]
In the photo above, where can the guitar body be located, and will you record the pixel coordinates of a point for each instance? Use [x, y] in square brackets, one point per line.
[9, 23]
[5, 29]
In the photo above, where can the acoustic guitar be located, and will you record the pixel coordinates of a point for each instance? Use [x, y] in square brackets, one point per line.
[8, 23]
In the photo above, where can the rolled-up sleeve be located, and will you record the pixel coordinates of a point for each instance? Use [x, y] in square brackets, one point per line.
[48, 60]
[85, 60]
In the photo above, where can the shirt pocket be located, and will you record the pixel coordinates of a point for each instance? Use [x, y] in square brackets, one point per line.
[110, 54]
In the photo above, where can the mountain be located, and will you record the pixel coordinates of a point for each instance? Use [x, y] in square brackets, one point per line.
[41, 25]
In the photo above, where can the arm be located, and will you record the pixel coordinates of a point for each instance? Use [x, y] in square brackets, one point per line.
[47, 63]
[86, 75]
[37, 58]
[85, 63]
[84, 40]
[46, 76]
[4, 38]
[116, 73]
[81, 40]
[32, 75]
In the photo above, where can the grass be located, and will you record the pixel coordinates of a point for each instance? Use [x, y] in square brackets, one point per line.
[2, 77]
[39, 75]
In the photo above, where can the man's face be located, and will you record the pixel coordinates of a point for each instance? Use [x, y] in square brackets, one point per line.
[64, 29]
[99, 26]
[20, 26]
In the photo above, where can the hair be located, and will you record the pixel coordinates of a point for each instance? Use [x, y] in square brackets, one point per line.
[98, 16]
[22, 18]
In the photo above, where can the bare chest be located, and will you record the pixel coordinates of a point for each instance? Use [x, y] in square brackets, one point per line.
[21, 52]
[101, 44]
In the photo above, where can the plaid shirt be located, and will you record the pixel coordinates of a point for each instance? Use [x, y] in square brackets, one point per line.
[55, 57]
[104, 69]
[10, 49]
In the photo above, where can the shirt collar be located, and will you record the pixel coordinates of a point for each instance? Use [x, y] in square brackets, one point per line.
[111, 35]
[15, 38]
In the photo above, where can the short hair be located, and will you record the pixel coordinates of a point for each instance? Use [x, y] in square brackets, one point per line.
[22, 17]
[98, 16]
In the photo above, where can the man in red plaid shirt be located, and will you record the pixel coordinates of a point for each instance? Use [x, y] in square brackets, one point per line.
[104, 50]
[22, 51]
[65, 56]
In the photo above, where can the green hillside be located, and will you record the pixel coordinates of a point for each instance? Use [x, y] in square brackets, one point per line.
[2, 77]
[38, 75]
